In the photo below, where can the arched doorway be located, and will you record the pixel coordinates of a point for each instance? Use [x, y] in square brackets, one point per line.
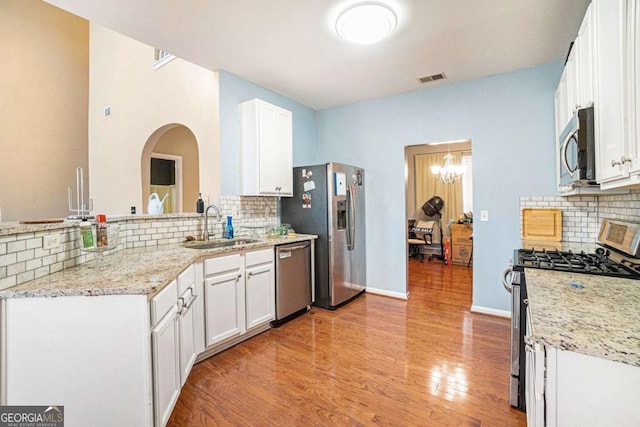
[172, 148]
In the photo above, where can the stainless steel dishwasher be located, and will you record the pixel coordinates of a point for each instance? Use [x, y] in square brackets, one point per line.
[293, 278]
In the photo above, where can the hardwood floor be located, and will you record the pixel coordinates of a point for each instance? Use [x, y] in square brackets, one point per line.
[375, 361]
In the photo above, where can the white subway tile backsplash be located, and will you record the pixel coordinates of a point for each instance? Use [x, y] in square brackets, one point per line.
[22, 257]
[582, 215]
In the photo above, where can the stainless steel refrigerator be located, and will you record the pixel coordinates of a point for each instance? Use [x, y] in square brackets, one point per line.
[328, 200]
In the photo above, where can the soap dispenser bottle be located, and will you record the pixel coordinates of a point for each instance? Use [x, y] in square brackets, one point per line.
[229, 232]
[200, 204]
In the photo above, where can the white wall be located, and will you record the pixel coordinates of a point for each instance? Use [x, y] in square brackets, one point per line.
[143, 100]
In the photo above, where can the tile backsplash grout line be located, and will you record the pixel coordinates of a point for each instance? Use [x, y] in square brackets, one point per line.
[23, 258]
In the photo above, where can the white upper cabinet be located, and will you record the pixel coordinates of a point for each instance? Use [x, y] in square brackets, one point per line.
[617, 46]
[585, 61]
[608, 107]
[266, 147]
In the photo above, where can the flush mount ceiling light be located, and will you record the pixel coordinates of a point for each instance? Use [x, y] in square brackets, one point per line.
[366, 23]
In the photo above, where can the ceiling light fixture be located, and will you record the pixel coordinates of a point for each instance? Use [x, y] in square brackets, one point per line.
[366, 23]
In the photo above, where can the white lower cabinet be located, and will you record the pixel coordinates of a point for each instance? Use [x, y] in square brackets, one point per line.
[176, 340]
[239, 291]
[224, 293]
[91, 354]
[259, 288]
[166, 366]
[191, 331]
[565, 388]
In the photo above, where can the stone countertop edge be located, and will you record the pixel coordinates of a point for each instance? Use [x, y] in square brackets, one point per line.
[601, 319]
[140, 271]
[8, 228]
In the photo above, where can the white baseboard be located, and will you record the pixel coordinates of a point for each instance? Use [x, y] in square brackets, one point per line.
[383, 292]
[491, 311]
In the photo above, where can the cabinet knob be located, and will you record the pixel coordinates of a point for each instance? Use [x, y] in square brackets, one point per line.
[239, 277]
[615, 163]
[625, 159]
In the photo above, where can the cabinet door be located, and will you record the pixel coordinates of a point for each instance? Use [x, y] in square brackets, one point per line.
[633, 78]
[259, 287]
[166, 366]
[573, 83]
[284, 148]
[561, 104]
[268, 148]
[188, 330]
[585, 61]
[609, 118]
[260, 295]
[224, 306]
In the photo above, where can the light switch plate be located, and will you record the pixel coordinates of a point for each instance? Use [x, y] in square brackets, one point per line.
[484, 215]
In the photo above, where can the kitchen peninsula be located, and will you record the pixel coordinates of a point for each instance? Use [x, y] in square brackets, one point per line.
[128, 327]
[585, 348]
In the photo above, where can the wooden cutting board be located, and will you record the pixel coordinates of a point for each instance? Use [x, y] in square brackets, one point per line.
[542, 224]
[42, 221]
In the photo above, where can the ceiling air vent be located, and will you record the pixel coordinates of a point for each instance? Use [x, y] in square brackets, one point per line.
[432, 78]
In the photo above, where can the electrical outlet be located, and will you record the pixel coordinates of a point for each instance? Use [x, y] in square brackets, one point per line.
[51, 241]
[484, 215]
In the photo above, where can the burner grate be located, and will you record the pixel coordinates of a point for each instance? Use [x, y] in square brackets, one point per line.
[577, 262]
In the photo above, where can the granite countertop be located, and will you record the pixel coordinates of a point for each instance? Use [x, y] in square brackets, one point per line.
[140, 271]
[602, 319]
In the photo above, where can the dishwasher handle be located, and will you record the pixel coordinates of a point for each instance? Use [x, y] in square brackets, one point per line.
[294, 248]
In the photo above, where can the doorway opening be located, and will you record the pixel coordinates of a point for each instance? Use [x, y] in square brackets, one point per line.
[166, 180]
[170, 167]
[424, 190]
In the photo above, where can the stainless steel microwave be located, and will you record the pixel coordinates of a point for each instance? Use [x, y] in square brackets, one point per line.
[577, 150]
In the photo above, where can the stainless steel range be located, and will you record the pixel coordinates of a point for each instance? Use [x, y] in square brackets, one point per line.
[618, 256]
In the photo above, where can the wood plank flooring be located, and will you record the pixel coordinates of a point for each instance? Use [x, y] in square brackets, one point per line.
[376, 361]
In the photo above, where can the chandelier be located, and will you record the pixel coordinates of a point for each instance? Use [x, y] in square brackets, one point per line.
[448, 173]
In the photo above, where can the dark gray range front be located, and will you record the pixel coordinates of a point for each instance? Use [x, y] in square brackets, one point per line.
[617, 256]
[328, 201]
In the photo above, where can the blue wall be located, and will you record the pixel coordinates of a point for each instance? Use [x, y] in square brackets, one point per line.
[233, 91]
[508, 117]
[510, 120]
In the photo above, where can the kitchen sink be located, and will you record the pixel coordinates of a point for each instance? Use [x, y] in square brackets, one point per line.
[215, 244]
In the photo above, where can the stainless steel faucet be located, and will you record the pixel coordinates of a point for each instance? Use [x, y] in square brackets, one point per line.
[205, 233]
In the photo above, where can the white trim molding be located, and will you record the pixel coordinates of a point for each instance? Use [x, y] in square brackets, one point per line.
[491, 311]
[384, 292]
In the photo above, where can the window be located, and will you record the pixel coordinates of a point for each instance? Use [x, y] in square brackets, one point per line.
[162, 57]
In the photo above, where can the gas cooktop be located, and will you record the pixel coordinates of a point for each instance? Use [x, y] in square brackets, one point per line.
[598, 263]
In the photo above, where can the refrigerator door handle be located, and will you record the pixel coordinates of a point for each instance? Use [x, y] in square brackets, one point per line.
[351, 220]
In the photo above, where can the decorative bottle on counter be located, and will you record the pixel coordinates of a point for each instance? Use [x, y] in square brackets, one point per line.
[229, 233]
[200, 204]
[101, 230]
[86, 231]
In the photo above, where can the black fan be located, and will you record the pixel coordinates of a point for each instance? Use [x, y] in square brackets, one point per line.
[433, 207]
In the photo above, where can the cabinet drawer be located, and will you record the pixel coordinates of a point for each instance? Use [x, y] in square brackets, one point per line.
[258, 257]
[186, 279]
[222, 264]
[163, 302]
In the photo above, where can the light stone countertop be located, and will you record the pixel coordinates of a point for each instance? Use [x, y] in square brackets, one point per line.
[601, 320]
[8, 228]
[140, 271]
